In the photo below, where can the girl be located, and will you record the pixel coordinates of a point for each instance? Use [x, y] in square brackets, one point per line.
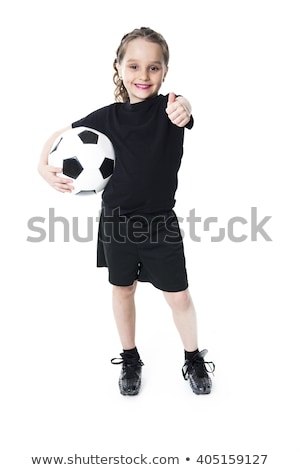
[139, 237]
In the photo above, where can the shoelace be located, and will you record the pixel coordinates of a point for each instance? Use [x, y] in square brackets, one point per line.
[199, 364]
[128, 363]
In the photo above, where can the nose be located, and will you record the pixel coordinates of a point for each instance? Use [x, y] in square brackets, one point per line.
[144, 74]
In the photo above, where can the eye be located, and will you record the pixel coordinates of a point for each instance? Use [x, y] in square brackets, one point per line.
[154, 68]
[133, 67]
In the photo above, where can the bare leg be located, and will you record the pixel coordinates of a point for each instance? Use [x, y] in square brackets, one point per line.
[124, 313]
[184, 316]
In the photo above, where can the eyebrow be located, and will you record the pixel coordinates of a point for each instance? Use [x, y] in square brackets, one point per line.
[150, 62]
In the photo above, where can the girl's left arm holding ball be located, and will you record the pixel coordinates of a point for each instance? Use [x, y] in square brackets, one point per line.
[48, 172]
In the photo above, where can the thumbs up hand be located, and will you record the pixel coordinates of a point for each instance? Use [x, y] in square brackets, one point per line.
[178, 110]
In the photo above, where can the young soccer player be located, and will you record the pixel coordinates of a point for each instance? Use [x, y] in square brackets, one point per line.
[139, 236]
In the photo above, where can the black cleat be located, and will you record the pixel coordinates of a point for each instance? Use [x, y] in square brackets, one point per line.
[196, 372]
[131, 373]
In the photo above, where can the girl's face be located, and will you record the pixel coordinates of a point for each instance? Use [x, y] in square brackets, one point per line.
[142, 69]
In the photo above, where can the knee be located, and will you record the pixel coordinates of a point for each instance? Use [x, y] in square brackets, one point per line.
[178, 300]
[124, 291]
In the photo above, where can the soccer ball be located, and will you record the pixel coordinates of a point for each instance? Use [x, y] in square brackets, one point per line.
[85, 155]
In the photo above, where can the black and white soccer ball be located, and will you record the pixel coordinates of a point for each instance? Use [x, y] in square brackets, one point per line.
[85, 155]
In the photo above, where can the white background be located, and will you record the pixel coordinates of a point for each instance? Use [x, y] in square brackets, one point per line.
[238, 63]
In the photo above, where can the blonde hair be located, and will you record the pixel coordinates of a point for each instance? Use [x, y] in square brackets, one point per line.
[149, 34]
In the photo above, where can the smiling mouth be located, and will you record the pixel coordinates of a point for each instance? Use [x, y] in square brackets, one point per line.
[142, 86]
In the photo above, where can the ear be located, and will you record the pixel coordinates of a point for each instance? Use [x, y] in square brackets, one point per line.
[118, 66]
[165, 74]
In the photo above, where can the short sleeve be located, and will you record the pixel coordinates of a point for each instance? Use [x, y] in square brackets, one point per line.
[190, 124]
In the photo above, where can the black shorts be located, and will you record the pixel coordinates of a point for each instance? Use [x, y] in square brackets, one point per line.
[146, 248]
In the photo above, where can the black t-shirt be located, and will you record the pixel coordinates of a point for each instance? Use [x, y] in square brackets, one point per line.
[148, 150]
